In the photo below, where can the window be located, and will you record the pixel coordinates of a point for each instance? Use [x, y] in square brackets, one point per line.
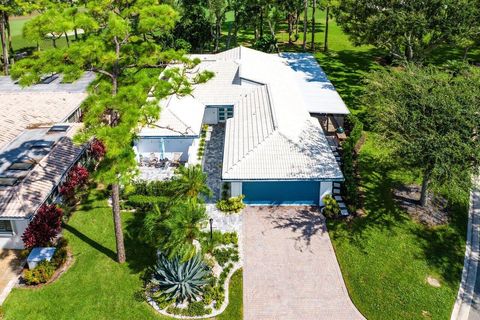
[225, 113]
[5, 226]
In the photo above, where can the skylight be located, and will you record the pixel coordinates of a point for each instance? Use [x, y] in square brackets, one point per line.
[42, 144]
[8, 181]
[58, 128]
[20, 166]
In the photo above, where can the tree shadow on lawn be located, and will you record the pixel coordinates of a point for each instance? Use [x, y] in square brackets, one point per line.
[94, 244]
[140, 255]
[382, 212]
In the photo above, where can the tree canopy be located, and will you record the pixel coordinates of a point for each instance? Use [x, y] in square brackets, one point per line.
[429, 117]
[409, 30]
[123, 51]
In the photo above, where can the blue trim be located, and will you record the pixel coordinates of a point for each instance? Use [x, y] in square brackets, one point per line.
[282, 193]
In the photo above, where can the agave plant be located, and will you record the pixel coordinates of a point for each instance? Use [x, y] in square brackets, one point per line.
[180, 281]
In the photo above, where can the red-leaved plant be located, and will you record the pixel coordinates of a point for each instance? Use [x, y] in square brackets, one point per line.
[44, 227]
[77, 178]
[97, 149]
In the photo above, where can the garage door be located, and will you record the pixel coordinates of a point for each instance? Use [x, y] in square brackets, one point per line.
[277, 193]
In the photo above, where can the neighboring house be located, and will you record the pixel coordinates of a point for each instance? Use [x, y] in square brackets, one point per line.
[275, 151]
[36, 149]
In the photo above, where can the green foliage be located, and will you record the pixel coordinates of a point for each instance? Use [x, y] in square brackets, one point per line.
[233, 204]
[59, 257]
[429, 118]
[331, 209]
[266, 43]
[408, 31]
[174, 231]
[40, 274]
[348, 158]
[214, 293]
[191, 182]
[180, 281]
[218, 239]
[224, 255]
[196, 308]
[147, 203]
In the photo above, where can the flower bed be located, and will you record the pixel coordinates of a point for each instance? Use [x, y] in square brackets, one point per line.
[221, 258]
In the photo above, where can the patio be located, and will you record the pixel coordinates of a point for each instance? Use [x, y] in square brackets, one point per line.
[152, 174]
[213, 158]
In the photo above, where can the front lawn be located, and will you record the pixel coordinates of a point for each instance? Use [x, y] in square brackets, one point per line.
[385, 257]
[96, 287]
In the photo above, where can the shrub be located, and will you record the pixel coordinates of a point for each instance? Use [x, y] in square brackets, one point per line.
[348, 166]
[59, 257]
[214, 293]
[179, 281]
[44, 227]
[224, 255]
[97, 150]
[233, 204]
[62, 242]
[197, 308]
[77, 179]
[147, 203]
[331, 208]
[40, 274]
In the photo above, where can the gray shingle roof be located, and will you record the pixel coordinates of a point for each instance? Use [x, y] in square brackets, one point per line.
[24, 199]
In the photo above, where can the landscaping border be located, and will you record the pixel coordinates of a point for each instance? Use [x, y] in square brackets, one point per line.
[226, 286]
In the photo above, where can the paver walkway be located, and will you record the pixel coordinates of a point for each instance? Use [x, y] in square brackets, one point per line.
[213, 160]
[10, 269]
[467, 306]
[290, 268]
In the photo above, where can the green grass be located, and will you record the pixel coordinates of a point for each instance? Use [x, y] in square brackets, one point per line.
[95, 286]
[386, 257]
[21, 44]
[234, 310]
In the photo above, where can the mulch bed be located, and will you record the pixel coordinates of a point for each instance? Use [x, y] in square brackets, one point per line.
[434, 213]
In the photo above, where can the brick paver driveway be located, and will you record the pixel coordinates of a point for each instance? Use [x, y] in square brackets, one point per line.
[290, 268]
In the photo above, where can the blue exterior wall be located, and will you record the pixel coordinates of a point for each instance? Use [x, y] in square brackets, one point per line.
[282, 192]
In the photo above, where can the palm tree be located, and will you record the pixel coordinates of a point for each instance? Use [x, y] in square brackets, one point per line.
[180, 228]
[191, 182]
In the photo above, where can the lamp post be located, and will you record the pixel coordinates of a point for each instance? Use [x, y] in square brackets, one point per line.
[211, 229]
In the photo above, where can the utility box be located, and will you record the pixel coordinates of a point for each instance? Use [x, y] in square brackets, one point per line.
[38, 255]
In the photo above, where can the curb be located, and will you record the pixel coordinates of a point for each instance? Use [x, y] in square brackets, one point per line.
[461, 309]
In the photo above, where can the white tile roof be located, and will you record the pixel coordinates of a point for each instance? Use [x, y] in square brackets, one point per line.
[318, 92]
[180, 117]
[271, 135]
[24, 199]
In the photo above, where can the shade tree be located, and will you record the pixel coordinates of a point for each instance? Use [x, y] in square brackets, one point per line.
[429, 118]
